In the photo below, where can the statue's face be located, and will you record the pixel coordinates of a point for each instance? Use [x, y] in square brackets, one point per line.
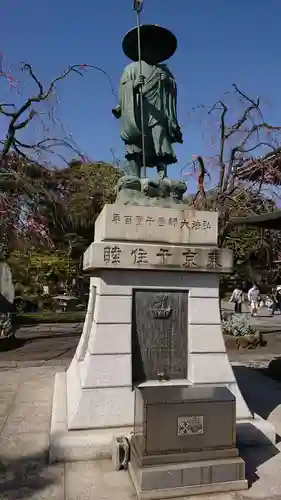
[148, 55]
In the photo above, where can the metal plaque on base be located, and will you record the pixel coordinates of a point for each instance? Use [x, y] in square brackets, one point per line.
[159, 335]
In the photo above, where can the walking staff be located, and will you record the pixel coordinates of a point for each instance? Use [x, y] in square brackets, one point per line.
[138, 6]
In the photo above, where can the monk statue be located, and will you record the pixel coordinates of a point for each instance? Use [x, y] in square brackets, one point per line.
[151, 81]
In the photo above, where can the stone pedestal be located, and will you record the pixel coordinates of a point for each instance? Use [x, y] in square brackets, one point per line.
[144, 249]
[184, 442]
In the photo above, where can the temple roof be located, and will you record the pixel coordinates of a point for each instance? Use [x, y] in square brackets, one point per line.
[271, 220]
[266, 169]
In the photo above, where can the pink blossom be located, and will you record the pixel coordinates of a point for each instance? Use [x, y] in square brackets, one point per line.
[11, 80]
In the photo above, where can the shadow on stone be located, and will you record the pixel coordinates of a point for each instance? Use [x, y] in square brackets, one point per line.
[11, 343]
[273, 370]
[16, 342]
[53, 336]
[255, 456]
[261, 393]
[24, 477]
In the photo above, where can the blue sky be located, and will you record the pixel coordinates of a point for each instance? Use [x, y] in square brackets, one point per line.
[219, 43]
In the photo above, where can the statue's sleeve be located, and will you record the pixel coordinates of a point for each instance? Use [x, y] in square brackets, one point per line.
[124, 85]
[128, 75]
[126, 98]
[171, 103]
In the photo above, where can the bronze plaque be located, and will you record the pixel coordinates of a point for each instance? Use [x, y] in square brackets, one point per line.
[159, 335]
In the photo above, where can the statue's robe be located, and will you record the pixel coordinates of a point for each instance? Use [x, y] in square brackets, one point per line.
[161, 126]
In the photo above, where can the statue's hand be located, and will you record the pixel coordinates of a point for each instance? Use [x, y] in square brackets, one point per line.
[116, 112]
[164, 77]
[139, 82]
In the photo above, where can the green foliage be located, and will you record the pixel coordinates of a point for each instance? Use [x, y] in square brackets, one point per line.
[237, 325]
[25, 188]
[28, 303]
[255, 252]
[34, 268]
[66, 202]
[85, 189]
[59, 201]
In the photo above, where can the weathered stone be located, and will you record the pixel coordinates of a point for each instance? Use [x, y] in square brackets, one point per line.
[130, 182]
[185, 479]
[96, 395]
[153, 224]
[129, 197]
[193, 418]
[108, 255]
[24, 445]
[19, 420]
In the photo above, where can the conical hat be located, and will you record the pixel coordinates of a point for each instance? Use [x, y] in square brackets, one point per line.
[163, 42]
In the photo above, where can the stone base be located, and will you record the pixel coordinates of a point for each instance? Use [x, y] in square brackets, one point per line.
[94, 400]
[77, 445]
[100, 371]
[188, 478]
[91, 444]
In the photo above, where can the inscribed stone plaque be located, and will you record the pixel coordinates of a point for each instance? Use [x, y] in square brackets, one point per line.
[157, 224]
[190, 425]
[159, 335]
[114, 255]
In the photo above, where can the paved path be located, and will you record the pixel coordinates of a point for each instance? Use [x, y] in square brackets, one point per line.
[53, 344]
[36, 344]
[42, 343]
[25, 411]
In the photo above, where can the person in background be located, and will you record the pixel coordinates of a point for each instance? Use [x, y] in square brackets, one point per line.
[270, 304]
[237, 298]
[277, 298]
[253, 298]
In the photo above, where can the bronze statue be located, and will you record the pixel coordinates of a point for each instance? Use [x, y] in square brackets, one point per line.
[147, 110]
[159, 93]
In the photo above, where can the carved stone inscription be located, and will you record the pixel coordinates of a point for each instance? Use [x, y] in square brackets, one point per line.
[159, 335]
[188, 426]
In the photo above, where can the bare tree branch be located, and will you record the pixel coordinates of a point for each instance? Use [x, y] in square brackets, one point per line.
[16, 116]
[222, 145]
[238, 141]
[27, 67]
[4, 112]
[242, 94]
[262, 143]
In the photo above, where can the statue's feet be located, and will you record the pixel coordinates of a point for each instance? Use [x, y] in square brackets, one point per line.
[178, 188]
[150, 187]
[129, 182]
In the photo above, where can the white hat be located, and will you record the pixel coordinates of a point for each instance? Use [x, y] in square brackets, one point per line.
[278, 288]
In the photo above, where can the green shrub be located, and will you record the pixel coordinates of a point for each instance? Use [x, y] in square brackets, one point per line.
[50, 317]
[27, 303]
[6, 329]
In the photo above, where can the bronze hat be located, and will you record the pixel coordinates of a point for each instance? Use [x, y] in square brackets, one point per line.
[163, 41]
